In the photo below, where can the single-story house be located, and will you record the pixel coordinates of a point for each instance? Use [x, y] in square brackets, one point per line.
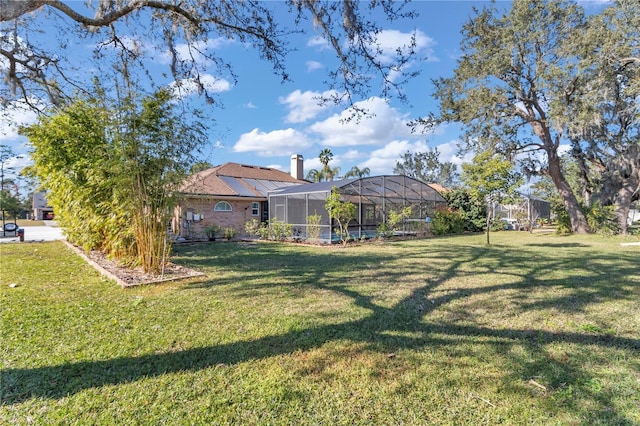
[228, 196]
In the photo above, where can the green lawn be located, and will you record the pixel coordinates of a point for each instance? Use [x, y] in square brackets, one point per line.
[25, 223]
[535, 329]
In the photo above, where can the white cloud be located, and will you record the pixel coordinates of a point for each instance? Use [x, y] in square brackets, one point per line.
[383, 160]
[196, 52]
[188, 87]
[563, 149]
[277, 142]
[314, 65]
[352, 155]
[12, 118]
[14, 165]
[304, 106]
[383, 124]
[448, 153]
[315, 164]
[250, 105]
[319, 42]
[390, 41]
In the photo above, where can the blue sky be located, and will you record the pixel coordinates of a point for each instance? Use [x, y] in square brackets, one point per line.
[262, 121]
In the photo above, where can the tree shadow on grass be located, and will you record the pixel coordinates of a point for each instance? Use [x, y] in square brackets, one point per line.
[559, 245]
[381, 329]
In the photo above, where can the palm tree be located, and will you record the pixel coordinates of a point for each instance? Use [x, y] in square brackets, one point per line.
[314, 175]
[331, 172]
[325, 156]
[357, 172]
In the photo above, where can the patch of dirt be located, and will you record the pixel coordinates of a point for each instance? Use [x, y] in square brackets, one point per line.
[129, 277]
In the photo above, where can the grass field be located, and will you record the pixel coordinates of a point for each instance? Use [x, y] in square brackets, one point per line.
[25, 223]
[534, 329]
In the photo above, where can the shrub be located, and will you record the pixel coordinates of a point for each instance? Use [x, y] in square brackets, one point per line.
[497, 224]
[280, 231]
[473, 212]
[384, 230]
[230, 233]
[212, 231]
[313, 226]
[252, 227]
[395, 219]
[602, 219]
[562, 220]
[447, 221]
[263, 232]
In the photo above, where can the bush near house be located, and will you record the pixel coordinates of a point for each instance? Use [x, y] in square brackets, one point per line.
[447, 221]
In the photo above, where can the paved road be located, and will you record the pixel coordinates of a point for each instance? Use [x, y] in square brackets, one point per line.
[37, 233]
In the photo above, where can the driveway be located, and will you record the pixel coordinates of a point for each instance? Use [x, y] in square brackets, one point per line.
[37, 233]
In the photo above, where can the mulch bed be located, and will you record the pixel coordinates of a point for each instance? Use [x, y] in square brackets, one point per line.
[130, 277]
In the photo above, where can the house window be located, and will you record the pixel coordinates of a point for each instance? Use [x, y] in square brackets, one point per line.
[222, 206]
[255, 209]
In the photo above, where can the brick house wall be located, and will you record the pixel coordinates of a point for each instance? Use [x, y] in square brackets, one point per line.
[241, 212]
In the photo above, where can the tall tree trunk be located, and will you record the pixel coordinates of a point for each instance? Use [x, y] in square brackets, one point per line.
[579, 223]
[621, 185]
[488, 225]
[622, 203]
[550, 145]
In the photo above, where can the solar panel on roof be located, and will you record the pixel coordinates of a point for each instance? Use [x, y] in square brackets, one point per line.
[237, 186]
[257, 185]
[265, 186]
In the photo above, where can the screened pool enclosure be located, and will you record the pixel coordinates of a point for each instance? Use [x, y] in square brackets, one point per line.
[375, 198]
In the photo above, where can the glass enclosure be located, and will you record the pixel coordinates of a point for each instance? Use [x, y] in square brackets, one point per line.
[376, 198]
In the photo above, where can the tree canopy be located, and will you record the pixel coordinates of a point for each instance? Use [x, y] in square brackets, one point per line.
[115, 27]
[426, 166]
[604, 123]
[543, 77]
[513, 73]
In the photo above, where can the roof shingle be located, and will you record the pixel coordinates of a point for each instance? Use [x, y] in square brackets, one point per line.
[233, 179]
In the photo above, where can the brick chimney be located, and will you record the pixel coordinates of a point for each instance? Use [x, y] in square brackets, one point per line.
[297, 166]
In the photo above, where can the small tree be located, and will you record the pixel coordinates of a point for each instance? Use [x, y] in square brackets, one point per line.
[490, 178]
[9, 204]
[397, 218]
[313, 226]
[342, 212]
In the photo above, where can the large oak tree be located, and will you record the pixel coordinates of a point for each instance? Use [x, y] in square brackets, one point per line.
[604, 122]
[512, 75]
[184, 30]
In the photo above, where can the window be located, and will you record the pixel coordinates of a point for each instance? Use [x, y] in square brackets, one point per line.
[255, 209]
[222, 206]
